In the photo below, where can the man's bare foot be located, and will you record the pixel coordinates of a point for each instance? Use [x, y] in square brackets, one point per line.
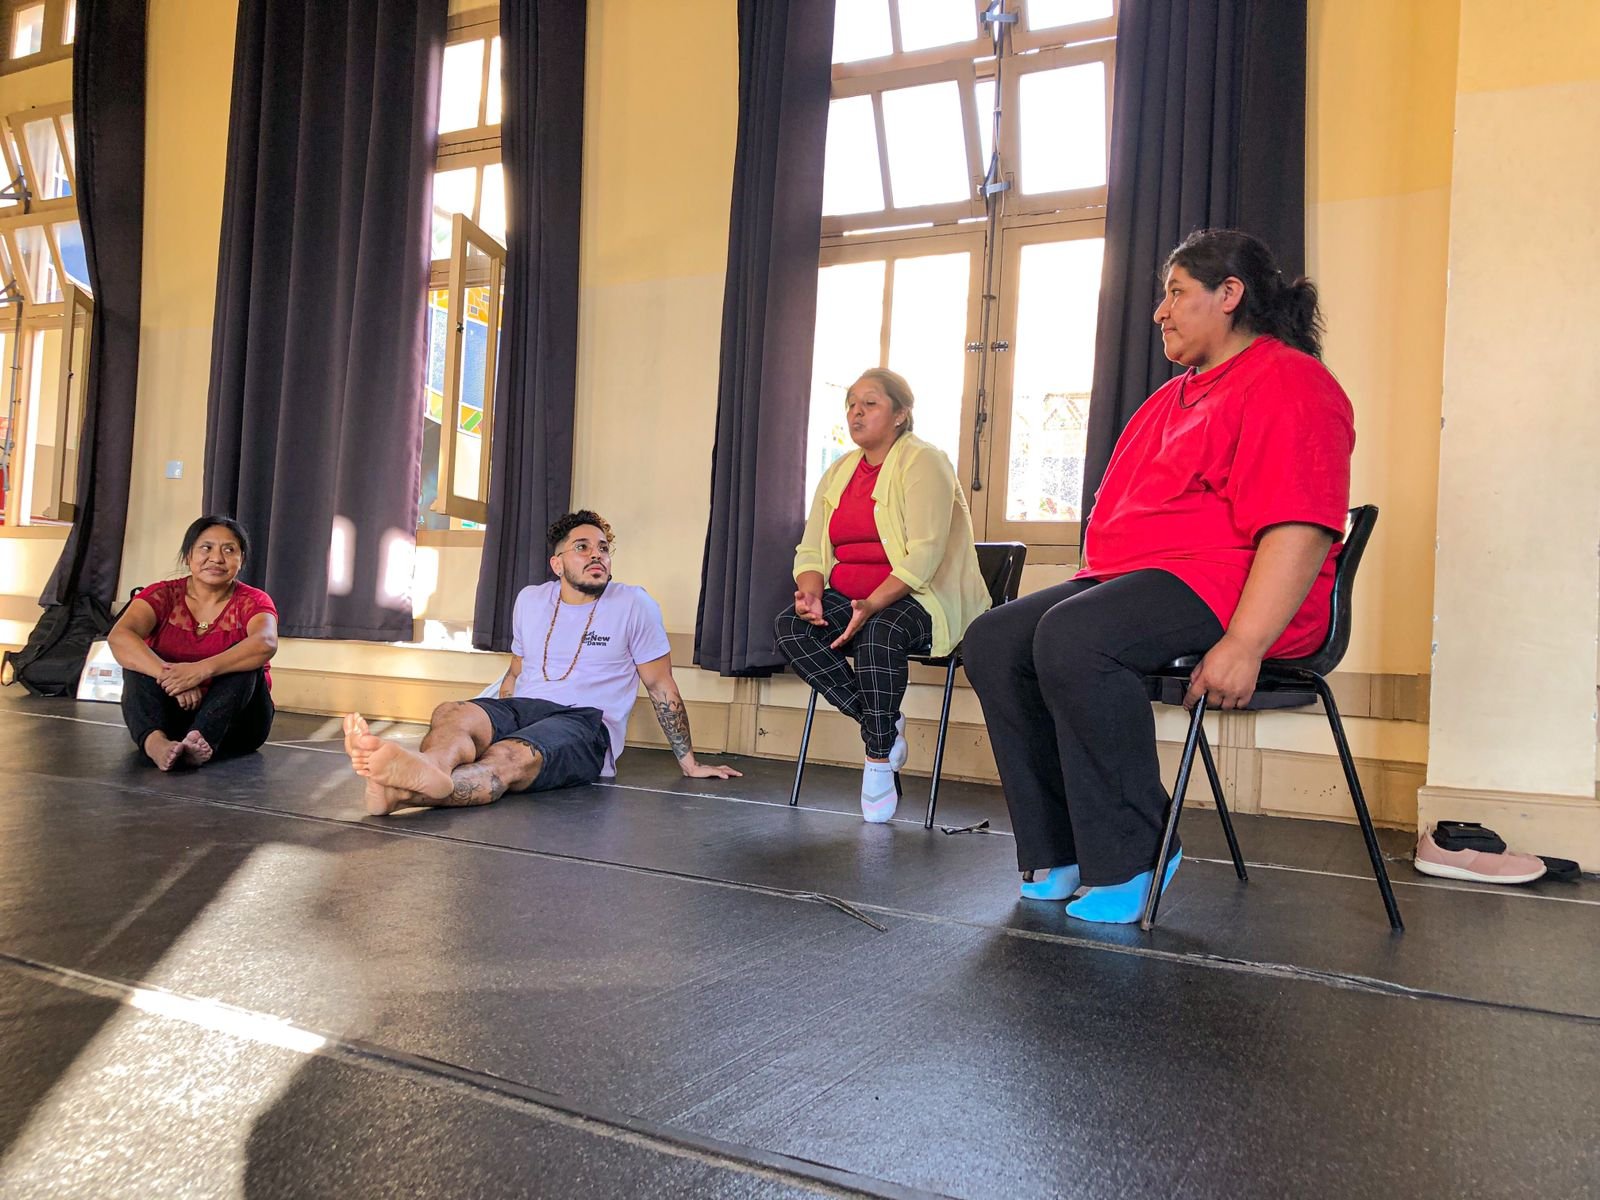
[355, 729]
[381, 801]
[162, 750]
[196, 751]
[393, 766]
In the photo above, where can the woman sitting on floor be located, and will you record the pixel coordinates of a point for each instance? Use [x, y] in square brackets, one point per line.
[890, 533]
[1214, 532]
[194, 654]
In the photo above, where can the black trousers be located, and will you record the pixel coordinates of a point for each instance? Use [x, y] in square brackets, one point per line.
[572, 740]
[1060, 676]
[871, 692]
[234, 718]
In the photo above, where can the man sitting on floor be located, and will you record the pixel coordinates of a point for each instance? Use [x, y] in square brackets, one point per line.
[560, 719]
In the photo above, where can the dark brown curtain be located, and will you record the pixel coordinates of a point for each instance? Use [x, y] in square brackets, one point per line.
[108, 93]
[541, 144]
[1207, 130]
[769, 309]
[315, 423]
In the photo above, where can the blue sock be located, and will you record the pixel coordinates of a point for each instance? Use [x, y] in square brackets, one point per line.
[1058, 883]
[1121, 903]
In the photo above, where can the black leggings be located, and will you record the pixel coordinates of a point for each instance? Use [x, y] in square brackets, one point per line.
[1060, 676]
[234, 718]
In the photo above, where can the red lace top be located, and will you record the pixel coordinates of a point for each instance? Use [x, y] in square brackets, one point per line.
[861, 563]
[177, 637]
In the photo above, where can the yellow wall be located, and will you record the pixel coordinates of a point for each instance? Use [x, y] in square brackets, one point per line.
[186, 145]
[1513, 712]
[1381, 95]
[661, 113]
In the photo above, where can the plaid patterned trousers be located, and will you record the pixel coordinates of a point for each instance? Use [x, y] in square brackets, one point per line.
[871, 692]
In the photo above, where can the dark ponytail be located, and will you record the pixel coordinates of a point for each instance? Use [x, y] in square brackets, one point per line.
[1286, 311]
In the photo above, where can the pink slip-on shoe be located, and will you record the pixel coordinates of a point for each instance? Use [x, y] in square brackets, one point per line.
[1479, 866]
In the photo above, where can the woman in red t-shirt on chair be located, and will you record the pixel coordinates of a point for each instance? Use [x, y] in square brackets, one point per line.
[887, 568]
[194, 654]
[1215, 530]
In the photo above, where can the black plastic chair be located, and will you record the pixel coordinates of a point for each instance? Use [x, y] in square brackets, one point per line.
[1001, 565]
[1283, 683]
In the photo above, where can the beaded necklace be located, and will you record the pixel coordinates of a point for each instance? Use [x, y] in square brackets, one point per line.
[544, 665]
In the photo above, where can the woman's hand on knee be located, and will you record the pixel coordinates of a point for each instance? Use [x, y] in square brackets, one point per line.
[860, 610]
[1226, 676]
[808, 606]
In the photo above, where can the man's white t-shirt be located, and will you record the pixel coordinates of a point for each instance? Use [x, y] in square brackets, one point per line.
[626, 630]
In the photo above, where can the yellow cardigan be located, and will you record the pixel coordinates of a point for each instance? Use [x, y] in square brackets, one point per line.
[926, 530]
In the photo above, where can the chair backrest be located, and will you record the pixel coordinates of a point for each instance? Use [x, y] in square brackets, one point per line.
[1001, 565]
[1358, 530]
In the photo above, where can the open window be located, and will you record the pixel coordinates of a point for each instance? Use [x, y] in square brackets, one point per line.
[72, 375]
[464, 339]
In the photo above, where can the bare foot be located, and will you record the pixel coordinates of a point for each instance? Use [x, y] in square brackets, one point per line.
[195, 749]
[355, 730]
[162, 750]
[381, 801]
[393, 766]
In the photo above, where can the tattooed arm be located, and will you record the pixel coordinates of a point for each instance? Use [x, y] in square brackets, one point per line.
[513, 672]
[656, 676]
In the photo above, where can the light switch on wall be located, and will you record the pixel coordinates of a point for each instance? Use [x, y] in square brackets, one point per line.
[175, 469]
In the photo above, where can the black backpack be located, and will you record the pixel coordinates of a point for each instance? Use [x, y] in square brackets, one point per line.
[49, 665]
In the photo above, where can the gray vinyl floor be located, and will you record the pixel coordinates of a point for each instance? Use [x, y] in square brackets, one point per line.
[232, 982]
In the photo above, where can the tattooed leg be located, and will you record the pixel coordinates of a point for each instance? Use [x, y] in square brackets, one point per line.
[475, 783]
[508, 766]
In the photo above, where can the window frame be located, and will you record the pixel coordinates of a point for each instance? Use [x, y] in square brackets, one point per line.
[998, 527]
[447, 502]
[1025, 37]
[40, 316]
[1052, 59]
[76, 299]
[964, 76]
[54, 44]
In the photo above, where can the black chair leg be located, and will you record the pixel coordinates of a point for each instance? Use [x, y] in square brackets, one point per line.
[938, 744]
[805, 741]
[1222, 807]
[1152, 899]
[1348, 762]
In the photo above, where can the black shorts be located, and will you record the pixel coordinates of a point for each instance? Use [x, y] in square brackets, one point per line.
[572, 741]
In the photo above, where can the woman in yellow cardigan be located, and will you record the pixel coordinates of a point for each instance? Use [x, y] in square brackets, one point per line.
[886, 569]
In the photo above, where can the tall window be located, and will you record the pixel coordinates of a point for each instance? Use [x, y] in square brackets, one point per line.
[963, 227]
[465, 289]
[45, 312]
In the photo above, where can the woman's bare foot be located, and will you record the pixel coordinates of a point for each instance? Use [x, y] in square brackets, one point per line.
[393, 766]
[195, 749]
[162, 750]
[355, 729]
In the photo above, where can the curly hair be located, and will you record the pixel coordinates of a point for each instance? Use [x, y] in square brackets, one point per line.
[563, 527]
